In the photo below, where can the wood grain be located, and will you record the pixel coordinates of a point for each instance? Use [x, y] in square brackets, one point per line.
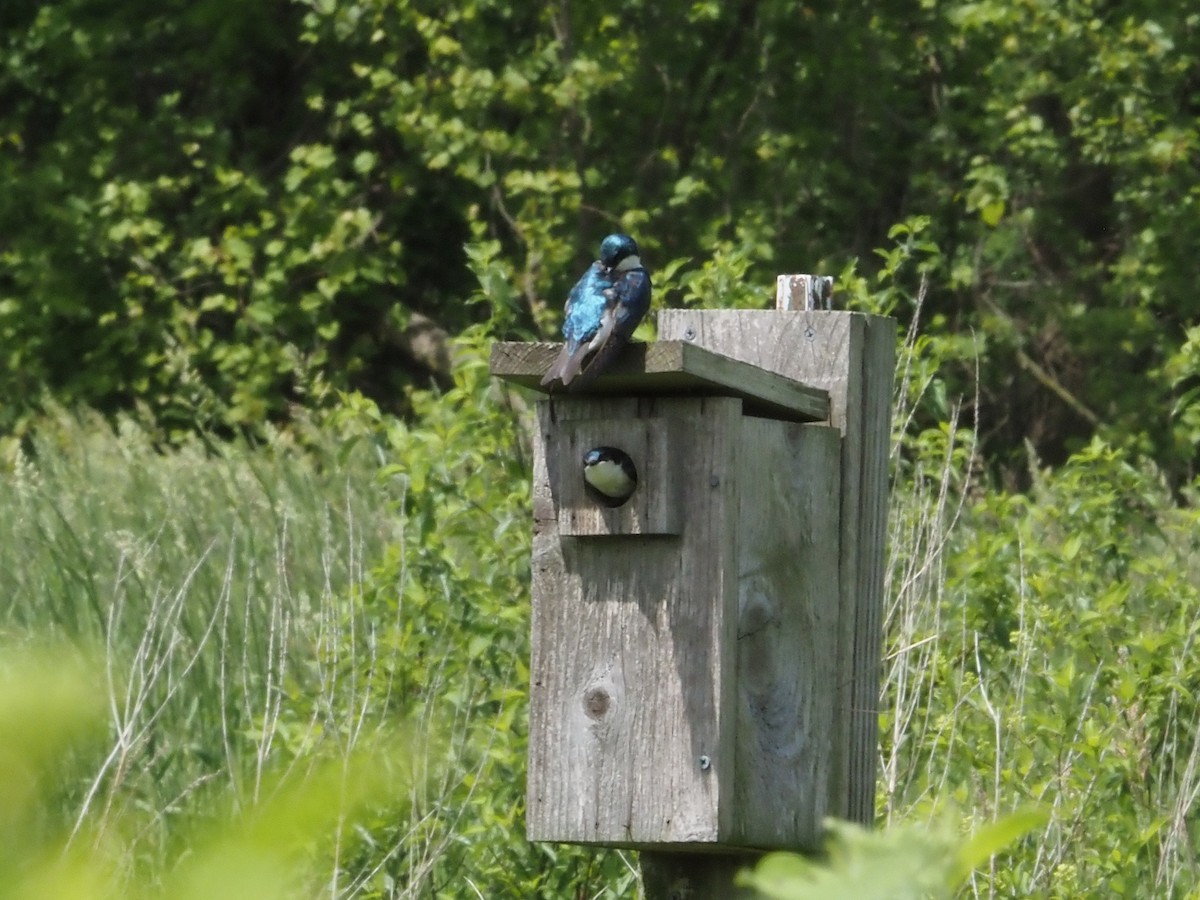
[788, 576]
[632, 673]
[852, 356]
[654, 507]
[705, 670]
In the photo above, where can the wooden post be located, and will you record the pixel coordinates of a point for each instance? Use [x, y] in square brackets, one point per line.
[690, 876]
[705, 662]
[807, 292]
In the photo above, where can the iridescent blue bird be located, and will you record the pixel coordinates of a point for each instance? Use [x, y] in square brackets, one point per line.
[603, 309]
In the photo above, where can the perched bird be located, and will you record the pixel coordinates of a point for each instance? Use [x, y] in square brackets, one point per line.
[609, 474]
[603, 309]
[582, 324]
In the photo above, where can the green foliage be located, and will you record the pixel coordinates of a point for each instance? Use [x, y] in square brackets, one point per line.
[198, 233]
[1039, 652]
[263, 851]
[1183, 368]
[1069, 127]
[271, 609]
[215, 583]
[898, 864]
[263, 212]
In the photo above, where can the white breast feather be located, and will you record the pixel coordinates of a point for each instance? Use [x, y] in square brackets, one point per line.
[609, 479]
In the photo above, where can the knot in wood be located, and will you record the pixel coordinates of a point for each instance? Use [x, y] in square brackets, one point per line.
[596, 702]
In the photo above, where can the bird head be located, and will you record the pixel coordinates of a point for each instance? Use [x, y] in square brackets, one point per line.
[619, 252]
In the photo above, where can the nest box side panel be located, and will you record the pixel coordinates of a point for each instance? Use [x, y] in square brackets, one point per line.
[631, 716]
[853, 357]
[787, 656]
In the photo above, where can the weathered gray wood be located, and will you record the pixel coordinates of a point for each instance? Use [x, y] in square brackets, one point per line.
[632, 673]
[877, 353]
[671, 367]
[787, 628]
[637, 736]
[654, 507]
[851, 355]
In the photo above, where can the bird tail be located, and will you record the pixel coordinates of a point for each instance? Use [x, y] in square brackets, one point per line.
[566, 365]
[598, 363]
[573, 364]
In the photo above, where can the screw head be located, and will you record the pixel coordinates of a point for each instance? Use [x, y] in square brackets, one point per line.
[705, 763]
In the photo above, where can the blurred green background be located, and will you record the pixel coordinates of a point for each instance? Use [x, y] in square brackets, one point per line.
[264, 525]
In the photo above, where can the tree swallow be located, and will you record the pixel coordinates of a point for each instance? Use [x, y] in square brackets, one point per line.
[609, 474]
[603, 309]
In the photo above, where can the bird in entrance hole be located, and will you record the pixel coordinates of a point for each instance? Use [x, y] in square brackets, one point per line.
[609, 474]
[603, 309]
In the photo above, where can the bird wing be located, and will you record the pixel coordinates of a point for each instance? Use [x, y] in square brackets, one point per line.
[628, 300]
[586, 325]
[601, 339]
[584, 304]
[633, 298]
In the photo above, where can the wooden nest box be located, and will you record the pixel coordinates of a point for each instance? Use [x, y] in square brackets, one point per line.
[705, 670]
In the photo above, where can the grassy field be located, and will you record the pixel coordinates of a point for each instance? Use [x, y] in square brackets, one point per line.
[215, 593]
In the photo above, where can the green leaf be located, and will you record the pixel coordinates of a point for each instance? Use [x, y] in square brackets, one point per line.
[994, 837]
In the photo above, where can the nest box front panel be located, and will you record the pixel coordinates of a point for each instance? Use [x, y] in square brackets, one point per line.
[634, 625]
[644, 446]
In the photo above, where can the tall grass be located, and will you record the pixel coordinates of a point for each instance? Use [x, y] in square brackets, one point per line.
[222, 588]
[1040, 648]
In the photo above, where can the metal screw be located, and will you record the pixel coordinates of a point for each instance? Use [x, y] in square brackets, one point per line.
[689, 334]
[714, 481]
[705, 763]
[809, 333]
